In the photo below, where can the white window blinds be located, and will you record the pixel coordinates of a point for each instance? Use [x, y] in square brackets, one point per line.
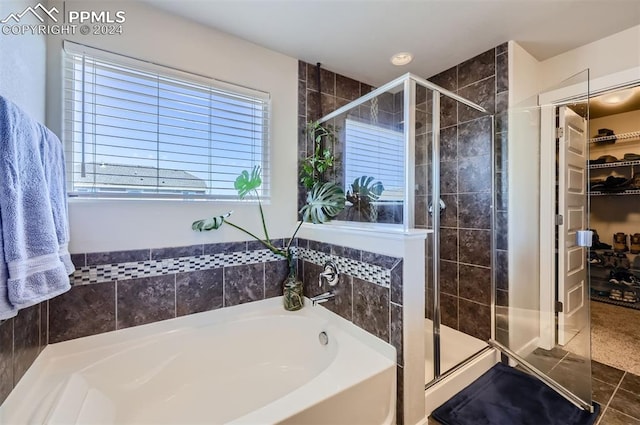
[134, 129]
[377, 152]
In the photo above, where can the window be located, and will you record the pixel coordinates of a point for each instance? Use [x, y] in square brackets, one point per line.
[377, 152]
[138, 130]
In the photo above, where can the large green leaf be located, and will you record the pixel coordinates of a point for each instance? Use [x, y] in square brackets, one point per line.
[211, 223]
[324, 201]
[245, 183]
[367, 188]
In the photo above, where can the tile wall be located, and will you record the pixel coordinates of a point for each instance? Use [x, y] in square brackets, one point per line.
[22, 338]
[117, 290]
[465, 185]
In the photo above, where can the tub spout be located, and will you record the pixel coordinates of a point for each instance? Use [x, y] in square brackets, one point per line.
[322, 298]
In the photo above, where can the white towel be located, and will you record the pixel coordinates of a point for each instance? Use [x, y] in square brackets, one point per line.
[32, 210]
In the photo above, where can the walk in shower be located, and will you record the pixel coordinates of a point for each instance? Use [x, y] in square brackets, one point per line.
[412, 155]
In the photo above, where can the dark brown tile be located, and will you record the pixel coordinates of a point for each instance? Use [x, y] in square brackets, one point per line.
[502, 270]
[421, 180]
[502, 299]
[346, 252]
[328, 82]
[243, 284]
[449, 143]
[422, 145]
[449, 310]
[386, 103]
[631, 383]
[312, 77]
[475, 319]
[420, 216]
[601, 391]
[447, 79]
[396, 337]
[475, 247]
[328, 104]
[384, 261]
[502, 48]
[310, 279]
[474, 174]
[365, 88]
[44, 324]
[502, 122]
[79, 260]
[474, 210]
[115, 257]
[475, 284]
[146, 300]
[474, 138]
[320, 247]
[347, 88]
[82, 311]
[371, 308]
[481, 93]
[449, 277]
[448, 111]
[26, 340]
[477, 68]
[6, 358]
[275, 272]
[302, 99]
[198, 291]
[176, 252]
[400, 396]
[224, 248]
[502, 155]
[626, 402]
[448, 177]
[502, 73]
[613, 417]
[448, 216]
[342, 303]
[606, 373]
[502, 102]
[302, 70]
[313, 104]
[397, 283]
[502, 230]
[449, 244]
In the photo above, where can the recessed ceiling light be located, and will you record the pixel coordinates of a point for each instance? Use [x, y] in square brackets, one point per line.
[616, 97]
[401, 58]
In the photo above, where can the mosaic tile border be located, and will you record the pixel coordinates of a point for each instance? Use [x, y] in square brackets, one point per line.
[124, 271]
[101, 273]
[365, 271]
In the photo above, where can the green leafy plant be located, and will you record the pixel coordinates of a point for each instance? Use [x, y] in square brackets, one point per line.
[364, 192]
[324, 201]
[314, 166]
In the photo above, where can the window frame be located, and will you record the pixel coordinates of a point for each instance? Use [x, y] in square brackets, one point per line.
[68, 129]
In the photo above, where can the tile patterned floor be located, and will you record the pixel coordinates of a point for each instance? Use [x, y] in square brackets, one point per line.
[618, 392]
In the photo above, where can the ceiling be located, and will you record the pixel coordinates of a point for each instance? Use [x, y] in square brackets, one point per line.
[357, 37]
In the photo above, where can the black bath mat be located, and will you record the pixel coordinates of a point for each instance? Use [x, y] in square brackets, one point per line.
[507, 396]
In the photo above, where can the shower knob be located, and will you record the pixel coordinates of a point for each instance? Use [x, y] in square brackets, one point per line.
[442, 207]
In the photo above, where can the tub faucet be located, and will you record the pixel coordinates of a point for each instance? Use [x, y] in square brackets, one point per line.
[322, 298]
[330, 273]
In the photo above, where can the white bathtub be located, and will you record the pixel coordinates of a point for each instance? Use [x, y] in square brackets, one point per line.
[250, 364]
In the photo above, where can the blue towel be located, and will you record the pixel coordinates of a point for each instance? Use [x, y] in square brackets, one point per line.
[32, 211]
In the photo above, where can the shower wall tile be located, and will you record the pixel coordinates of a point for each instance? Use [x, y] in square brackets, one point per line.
[145, 300]
[477, 68]
[396, 331]
[466, 182]
[475, 283]
[347, 88]
[115, 257]
[82, 311]
[342, 304]
[397, 283]
[198, 291]
[177, 252]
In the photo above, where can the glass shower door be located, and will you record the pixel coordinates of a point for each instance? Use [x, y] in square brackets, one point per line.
[547, 313]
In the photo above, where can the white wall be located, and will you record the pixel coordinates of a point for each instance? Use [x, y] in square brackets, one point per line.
[608, 55]
[22, 64]
[524, 198]
[154, 35]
